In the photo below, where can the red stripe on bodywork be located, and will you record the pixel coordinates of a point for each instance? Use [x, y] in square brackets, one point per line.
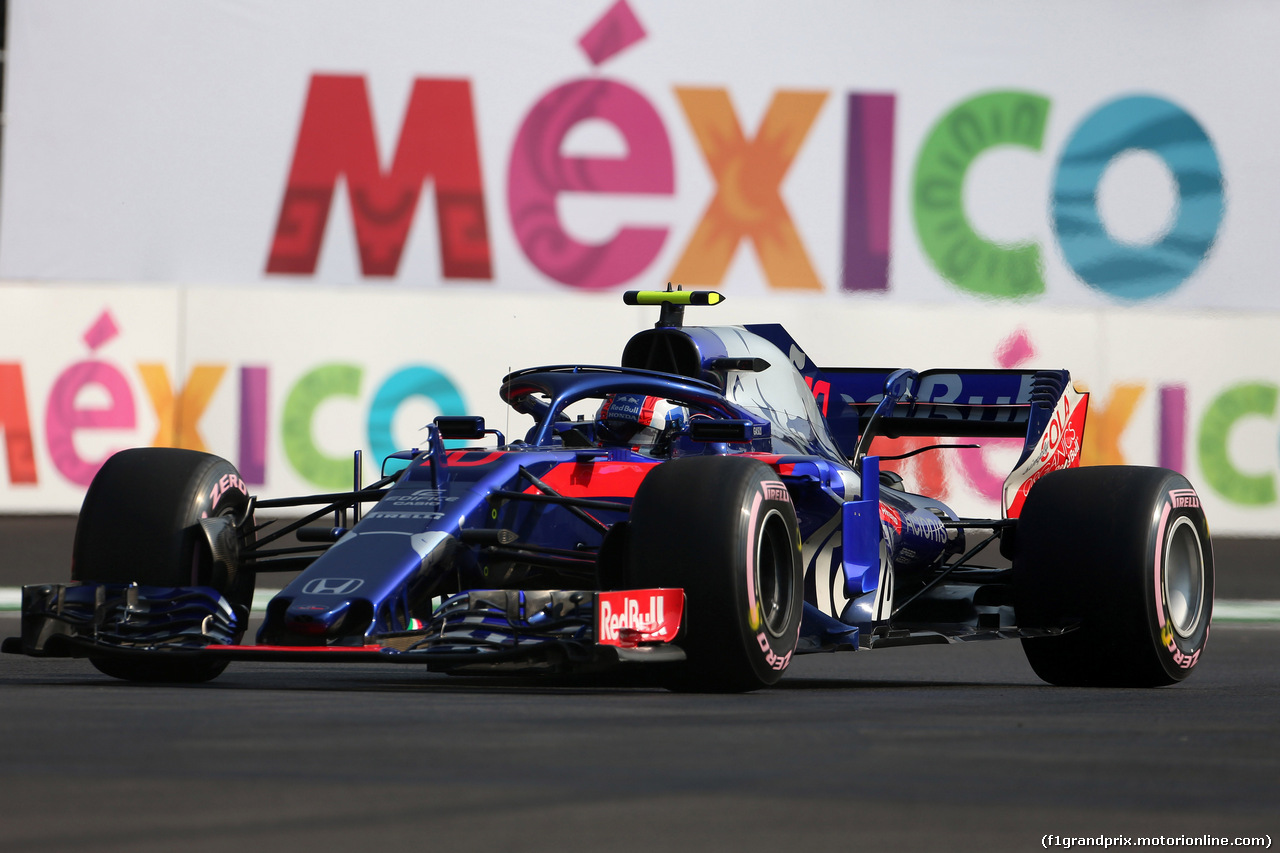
[471, 458]
[771, 459]
[590, 479]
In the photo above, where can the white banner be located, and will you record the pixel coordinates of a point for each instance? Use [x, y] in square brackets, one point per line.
[287, 385]
[1086, 154]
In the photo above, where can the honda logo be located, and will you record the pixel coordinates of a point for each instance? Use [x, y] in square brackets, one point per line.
[332, 586]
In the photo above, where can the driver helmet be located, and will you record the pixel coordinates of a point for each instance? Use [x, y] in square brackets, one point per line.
[637, 420]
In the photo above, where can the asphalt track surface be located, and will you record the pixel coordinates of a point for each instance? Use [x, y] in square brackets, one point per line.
[940, 747]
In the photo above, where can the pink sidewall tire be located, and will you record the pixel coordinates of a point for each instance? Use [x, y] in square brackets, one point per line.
[723, 529]
[1123, 554]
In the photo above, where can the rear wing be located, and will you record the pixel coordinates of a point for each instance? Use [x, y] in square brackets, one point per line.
[1041, 407]
[959, 403]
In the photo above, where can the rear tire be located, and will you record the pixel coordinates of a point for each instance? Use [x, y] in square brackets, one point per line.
[723, 529]
[1125, 552]
[140, 523]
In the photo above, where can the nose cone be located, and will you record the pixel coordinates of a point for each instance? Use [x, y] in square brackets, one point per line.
[316, 620]
[356, 587]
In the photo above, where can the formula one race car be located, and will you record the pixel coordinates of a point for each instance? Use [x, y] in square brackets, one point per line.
[709, 508]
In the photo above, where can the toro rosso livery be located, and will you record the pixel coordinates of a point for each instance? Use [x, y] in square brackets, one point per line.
[711, 508]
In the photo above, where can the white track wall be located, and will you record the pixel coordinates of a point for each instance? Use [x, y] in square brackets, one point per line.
[282, 231]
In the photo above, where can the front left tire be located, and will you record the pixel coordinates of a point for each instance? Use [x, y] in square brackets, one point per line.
[140, 523]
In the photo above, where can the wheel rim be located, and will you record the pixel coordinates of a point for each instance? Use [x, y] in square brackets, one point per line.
[774, 573]
[1184, 577]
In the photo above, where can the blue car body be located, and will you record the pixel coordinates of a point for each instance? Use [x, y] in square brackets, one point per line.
[503, 554]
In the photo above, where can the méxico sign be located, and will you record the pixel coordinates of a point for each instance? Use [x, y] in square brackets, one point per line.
[625, 151]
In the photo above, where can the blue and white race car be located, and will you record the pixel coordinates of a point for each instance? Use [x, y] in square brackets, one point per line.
[709, 508]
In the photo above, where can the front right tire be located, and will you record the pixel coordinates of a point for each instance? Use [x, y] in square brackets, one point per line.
[1122, 553]
[723, 529]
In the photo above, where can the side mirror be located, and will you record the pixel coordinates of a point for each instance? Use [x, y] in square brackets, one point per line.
[465, 428]
[468, 427]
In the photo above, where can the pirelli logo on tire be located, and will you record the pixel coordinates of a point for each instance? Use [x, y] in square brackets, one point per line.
[775, 490]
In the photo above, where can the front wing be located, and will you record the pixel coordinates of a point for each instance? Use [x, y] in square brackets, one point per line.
[559, 630]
